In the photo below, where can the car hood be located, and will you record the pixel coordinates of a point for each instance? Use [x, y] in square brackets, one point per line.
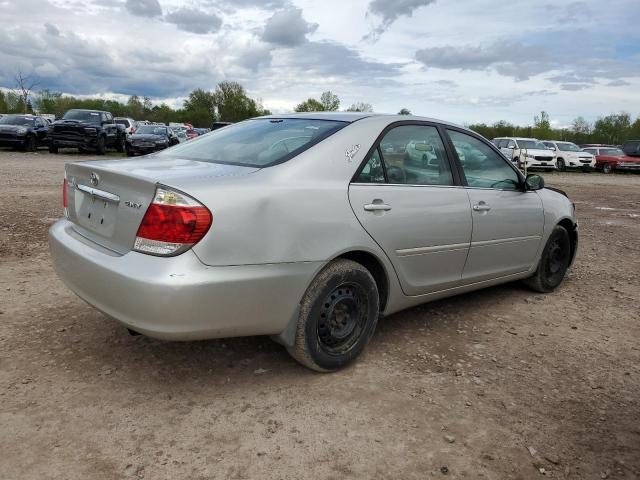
[149, 137]
[10, 128]
[74, 123]
[542, 153]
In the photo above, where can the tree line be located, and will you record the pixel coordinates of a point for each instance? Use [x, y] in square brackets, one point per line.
[613, 129]
[229, 102]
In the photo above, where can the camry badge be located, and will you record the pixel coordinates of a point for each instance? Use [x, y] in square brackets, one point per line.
[94, 179]
[351, 152]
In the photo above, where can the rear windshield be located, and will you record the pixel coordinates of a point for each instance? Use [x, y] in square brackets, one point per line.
[256, 143]
[614, 152]
[17, 120]
[122, 122]
[82, 116]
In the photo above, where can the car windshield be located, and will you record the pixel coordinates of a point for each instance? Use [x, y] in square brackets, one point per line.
[613, 152]
[257, 143]
[151, 130]
[568, 147]
[531, 144]
[82, 116]
[17, 120]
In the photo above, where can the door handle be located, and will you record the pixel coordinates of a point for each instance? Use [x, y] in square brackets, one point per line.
[377, 207]
[481, 207]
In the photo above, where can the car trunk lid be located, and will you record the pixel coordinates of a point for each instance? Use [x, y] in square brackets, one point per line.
[106, 200]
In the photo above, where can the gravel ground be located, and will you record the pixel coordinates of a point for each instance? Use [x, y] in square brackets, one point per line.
[497, 384]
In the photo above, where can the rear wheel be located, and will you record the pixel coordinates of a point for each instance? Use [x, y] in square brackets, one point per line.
[120, 145]
[53, 148]
[606, 168]
[100, 146]
[30, 144]
[554, 262]
[338, 315]
[561, 166]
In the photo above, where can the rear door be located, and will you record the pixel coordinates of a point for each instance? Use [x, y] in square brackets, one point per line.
[415, 210]
[507, 221]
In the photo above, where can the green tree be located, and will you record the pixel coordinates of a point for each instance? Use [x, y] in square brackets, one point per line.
[233, 104]
[310, 105]
[613, 128]
[360, 107]
[404, 111]
[329, 101]
[200, 107]
[46, 101]
[542, 126]
[3, 102]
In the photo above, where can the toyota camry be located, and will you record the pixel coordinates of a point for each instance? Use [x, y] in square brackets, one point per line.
[307, 228]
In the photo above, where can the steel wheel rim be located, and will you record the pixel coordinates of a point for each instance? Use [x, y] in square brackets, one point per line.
[556, 259]
[342, 318]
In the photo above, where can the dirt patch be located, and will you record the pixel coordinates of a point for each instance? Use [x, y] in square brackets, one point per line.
[497, 384]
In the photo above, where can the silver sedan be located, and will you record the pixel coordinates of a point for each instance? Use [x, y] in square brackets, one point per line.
[305, 227]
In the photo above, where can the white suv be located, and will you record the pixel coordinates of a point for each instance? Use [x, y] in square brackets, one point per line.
[527, 152]
[569, 155]
[129, 124]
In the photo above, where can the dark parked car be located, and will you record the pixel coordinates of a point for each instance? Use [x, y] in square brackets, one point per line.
[150, 138]
[217, 125]
[86, 130]
[632, 148]
[23, 131]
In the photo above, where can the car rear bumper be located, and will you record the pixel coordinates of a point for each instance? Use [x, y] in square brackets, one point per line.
[179, 298]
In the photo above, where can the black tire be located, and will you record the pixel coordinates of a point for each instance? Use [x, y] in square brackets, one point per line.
[607, 168]
[53, 149]
[30, 144]
[338, 315]
[561, 165]
[100, 145]
[120, 145]
[554, 262]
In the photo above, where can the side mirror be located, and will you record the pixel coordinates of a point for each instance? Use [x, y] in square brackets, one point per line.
[534, 182]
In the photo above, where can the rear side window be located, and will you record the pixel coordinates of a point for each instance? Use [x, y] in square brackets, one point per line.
[409, 155]
[256, 143]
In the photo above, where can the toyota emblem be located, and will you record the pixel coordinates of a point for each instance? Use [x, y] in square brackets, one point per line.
[94, 179]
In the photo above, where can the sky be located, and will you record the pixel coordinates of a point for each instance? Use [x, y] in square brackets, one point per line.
[466, 61]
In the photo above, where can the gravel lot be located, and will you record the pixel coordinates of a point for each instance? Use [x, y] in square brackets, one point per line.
[498, 384]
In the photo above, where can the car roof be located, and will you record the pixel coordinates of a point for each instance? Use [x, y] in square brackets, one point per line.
[355, 116]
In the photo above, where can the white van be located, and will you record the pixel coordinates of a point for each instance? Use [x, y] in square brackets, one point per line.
[529, 152]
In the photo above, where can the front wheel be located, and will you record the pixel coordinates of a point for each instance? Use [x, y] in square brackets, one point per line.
[53, 148]
[338, 315]
[554, 262]
[100, 146]
[30, 145]
[561, 166]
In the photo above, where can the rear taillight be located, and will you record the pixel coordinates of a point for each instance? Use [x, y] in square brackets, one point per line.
[173, 223]
[64, 196]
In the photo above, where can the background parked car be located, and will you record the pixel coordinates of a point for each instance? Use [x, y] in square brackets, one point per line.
[86, 130]
[150, 138]
[23, 131]
[569, 155]
[527, 152]
[191, 133]
[632, 148]
[129, 124]
[609, 159]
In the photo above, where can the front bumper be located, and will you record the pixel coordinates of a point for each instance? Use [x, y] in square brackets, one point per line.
[73, 141]
[12, 140]
[179, 298]
[532, 163]
[629, 167]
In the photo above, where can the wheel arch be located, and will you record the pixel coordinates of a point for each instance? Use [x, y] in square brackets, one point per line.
[375, 267]
[572, 228]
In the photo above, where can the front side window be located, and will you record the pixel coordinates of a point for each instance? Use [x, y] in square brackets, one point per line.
[482, 166]
[257, 143]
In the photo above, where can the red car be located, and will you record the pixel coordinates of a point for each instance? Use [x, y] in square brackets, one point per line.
[609, 159]
[191, 133]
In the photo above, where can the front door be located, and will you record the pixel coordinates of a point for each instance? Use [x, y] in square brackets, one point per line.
[507, 221]
[406, 199]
